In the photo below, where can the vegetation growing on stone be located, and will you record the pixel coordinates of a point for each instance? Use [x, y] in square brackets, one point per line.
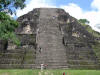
[85, 23]
[7, 27]
[8, 24]
[96, 46]
[61, 45]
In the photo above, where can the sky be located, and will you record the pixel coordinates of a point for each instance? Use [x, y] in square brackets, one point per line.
[80, 9]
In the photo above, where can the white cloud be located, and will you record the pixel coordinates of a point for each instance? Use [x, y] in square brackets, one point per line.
[93, 16]
[96, 4]
[34, 4]
[73, 9]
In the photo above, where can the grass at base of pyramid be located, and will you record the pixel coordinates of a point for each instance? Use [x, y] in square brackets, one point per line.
[48, 72]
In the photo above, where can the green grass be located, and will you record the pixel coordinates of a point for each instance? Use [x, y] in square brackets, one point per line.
[48, 72]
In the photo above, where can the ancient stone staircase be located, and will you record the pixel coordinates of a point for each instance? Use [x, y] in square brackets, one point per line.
[50, 49]
[84, 58]
[18, 58]
[59, 43]
[80, 54]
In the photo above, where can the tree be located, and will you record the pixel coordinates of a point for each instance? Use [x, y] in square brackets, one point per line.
[84, 21]
[11, 5]
[7, 27]
[8, 24]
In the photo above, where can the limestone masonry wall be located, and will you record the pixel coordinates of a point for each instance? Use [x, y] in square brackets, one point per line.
[52, 37]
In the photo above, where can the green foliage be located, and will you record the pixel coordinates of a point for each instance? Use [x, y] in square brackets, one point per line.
[84, 21]
[11, 5]
[7, 24]
[7, 27]
[96, 34]
[96, 48]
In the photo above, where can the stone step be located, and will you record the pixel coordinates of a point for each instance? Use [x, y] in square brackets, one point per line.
[8, 54]
[20, 51]
[51, 55]
[10, 61]
[80, 52]
[53, 67]
[11, 55]
[55, 50]
[27, 61]
[84, 66]
[82, 62]
[57, 67]
[15, 66]
[82, 49]
[53, 61]
[50, 63]
[52, 52]
[81, 58]
[81, 55]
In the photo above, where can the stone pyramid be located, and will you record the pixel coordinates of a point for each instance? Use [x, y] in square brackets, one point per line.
[52, 37]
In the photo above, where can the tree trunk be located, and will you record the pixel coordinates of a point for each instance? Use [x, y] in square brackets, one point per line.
[3, 45]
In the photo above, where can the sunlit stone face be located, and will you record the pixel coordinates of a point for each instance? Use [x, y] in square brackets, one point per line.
[75, 35]
[11, 47]
[68, 21]
[27, 30]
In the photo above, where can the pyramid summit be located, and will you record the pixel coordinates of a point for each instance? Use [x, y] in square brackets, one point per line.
[52, 37]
